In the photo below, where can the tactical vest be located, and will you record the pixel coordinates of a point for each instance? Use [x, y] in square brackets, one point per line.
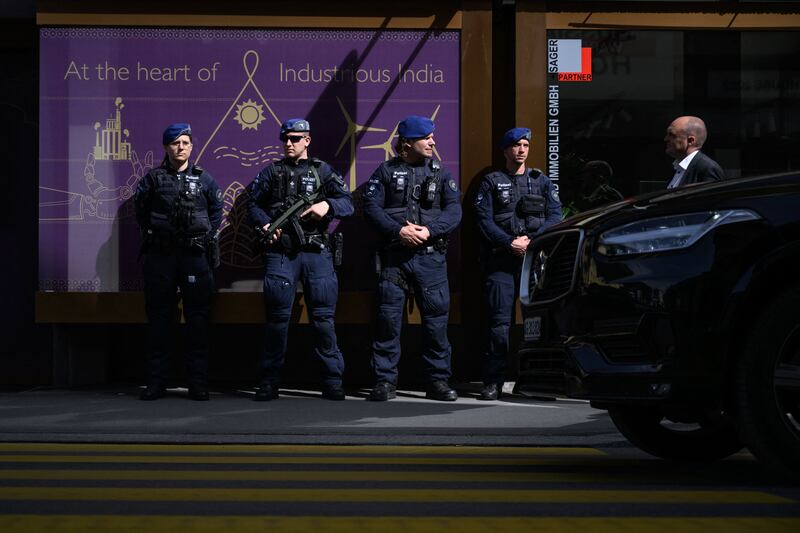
[288, 183]
[413, 193]
[179, 205]
[520, 208]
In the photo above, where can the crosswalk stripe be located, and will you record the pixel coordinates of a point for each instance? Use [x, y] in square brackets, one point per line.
[316, 475]
[390, 495]
[335, 524]
[260, 459]
[506, 451]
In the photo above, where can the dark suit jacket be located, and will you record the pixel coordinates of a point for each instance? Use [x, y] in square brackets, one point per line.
[702, 168]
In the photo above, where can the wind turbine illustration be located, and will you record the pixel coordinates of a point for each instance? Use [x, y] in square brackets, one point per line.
[388, 148]
[350, 135]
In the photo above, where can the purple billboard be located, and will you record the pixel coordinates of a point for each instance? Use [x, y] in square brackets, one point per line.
[106, 95]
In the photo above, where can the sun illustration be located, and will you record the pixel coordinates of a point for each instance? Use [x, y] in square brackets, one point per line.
[249, 115]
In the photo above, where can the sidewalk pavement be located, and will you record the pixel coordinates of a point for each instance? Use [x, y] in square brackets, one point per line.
[116, 415]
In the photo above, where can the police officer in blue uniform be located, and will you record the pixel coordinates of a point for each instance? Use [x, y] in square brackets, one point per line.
[513, 206]
[300, 251]
[179, 210]
[414, 203]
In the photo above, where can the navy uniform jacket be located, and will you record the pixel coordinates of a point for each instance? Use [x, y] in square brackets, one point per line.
[388, 203]
[268, 191]
[157, 191]
[488, 205]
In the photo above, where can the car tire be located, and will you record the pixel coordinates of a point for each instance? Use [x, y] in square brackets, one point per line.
[648, 429]
[768, 387]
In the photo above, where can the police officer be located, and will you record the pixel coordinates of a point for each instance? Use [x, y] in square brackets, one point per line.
[179, 210]
[299, 251]
[513, 206]
[414, 203]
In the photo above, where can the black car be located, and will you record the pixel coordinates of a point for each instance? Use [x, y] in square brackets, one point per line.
[679, 313]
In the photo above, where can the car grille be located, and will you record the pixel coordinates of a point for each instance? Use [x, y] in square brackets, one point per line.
[624, 349]
[561, 250]
[542, 370]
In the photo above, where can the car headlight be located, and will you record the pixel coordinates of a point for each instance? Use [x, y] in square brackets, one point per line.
[667, 233]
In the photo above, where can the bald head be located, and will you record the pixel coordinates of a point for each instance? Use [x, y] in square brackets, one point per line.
[685, 135]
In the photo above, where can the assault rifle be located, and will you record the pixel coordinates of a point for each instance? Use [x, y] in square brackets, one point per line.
[291, 215]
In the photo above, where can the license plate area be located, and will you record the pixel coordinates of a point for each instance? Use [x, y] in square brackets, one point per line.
[532, 328]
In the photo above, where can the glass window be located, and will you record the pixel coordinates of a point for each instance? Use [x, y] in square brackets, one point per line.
[616, 108]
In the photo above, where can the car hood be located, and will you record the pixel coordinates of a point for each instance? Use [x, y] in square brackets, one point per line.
[707, 196]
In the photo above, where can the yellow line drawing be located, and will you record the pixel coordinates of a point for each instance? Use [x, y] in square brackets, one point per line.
[248, 56]
[433, 117]
[71, 202]
[350, 135]
[386, 146]
[260, 158]
[102, 201]
[237, 241]
[108, 143]
[249, 115]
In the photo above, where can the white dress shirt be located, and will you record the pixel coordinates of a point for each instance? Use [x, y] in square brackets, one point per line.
[680, 169]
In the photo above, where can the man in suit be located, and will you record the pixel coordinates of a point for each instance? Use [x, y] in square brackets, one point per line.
[684, 139]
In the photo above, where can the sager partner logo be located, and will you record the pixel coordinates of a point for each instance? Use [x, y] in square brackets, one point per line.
[569, 60]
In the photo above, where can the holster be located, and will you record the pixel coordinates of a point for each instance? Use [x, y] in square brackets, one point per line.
[212, 251]
[396, 277]
[337, 248]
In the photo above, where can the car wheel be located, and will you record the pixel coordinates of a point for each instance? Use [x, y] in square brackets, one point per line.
[648, 429]
[768, 387]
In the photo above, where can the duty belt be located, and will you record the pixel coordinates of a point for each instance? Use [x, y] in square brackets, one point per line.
[167, 240]
[425, 250]
[315, 244]
[438, 245]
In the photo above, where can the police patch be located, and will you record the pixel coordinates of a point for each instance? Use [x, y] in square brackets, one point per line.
[479, 199]
[452, 185]
[371, 189]
[555, 196]
[219, 195]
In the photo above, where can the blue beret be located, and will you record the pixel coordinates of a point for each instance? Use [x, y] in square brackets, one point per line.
[295, 125]
[174, 131]
[415, 127]
[513, 135]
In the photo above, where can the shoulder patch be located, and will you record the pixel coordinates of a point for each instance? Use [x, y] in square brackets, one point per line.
[479, 199]
[219, 195]
[452, 185]
[554, 194]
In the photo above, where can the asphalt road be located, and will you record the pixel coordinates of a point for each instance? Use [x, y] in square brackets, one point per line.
[116, 415]
[101, 460]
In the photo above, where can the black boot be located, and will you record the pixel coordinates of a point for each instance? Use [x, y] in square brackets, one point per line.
[153, 392]
[491, 391]
[333, 392]
[266, 392]
[441, 391]
[198, 393]
[383, 391]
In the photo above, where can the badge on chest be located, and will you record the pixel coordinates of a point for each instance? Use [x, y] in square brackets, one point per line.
[503, 193]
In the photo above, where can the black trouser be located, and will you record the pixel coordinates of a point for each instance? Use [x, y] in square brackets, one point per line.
[501, 287]
[164, 273]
